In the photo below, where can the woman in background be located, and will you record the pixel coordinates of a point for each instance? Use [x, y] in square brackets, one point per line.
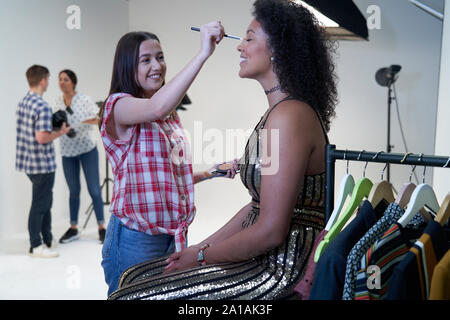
[79, 151]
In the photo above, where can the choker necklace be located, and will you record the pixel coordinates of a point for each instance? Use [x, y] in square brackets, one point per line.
[278, 87]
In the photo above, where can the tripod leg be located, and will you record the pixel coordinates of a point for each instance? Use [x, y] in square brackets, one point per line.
[89, 211]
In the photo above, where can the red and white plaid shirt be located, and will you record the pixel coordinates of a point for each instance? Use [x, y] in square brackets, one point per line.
[153, 186]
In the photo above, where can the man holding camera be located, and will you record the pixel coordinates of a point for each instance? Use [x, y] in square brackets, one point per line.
[35, 155]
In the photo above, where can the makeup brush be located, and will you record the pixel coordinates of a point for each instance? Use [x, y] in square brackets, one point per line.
[227, 35]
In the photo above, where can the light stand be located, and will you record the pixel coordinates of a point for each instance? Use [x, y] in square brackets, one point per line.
[388, 143]
[386, 77]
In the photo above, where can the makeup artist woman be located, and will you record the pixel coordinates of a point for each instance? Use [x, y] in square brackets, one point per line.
[80, 151]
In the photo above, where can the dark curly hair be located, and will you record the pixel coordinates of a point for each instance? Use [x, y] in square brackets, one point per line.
[302, 54]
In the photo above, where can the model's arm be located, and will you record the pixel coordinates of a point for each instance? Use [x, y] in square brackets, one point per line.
[279, 191]
[129, 111]
[233, 226]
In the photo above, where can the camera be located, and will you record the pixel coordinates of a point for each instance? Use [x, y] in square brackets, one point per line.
[58, 118]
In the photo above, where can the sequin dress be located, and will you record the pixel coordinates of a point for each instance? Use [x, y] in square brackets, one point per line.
[270, 276]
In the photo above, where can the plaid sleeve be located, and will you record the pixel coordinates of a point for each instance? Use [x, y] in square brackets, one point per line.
[43, 118]
[107, 113]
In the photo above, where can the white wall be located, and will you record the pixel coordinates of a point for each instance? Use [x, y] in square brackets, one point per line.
[442, 176]
[35, 32]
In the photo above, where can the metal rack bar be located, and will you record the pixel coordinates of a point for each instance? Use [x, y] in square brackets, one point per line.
[332, 154]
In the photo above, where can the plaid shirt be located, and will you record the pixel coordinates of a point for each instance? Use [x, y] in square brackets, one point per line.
[34, 114]
[153, 190]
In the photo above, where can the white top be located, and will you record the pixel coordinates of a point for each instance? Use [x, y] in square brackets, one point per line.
[83, 109]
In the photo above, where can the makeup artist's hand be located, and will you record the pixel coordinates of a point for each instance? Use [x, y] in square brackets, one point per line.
[212, 33]
[231, 172]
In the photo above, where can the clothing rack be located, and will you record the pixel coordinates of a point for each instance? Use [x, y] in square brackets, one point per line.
[332, 154]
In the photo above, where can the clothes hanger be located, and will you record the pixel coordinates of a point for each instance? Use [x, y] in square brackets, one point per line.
[345, 190]
[381, 190]
[404, 195]
[444, 211]
[422, 196]
[360, 191]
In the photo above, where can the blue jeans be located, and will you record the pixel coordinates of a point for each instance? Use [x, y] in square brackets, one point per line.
[71, 166]
[124, 248]
[39, 219]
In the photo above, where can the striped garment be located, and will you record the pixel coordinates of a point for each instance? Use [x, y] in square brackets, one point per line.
[411, 278]
[385, 253]
[153, 179]
[391, 215]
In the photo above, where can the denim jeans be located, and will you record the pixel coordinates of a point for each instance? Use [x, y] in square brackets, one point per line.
[39, 219]
[124, 248]
[89, 162]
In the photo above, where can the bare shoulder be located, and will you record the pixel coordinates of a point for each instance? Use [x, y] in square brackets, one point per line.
[292, 114]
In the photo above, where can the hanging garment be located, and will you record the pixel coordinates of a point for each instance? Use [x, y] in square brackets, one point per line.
[386, 253]
[329, 276]
[411, 278]
[272, 275]
[304, 287]
[440, 282]
[391, 215]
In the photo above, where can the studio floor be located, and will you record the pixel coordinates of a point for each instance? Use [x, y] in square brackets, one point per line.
[75, 275]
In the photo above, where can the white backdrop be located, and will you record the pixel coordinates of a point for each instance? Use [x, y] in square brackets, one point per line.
[36, 32]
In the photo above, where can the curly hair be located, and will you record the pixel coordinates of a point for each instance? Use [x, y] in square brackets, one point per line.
[302, 54]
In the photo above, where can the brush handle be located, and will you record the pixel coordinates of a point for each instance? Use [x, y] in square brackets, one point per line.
[227, 35]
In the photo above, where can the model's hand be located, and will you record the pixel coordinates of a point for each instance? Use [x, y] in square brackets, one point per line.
[211, 33]
[186, 259]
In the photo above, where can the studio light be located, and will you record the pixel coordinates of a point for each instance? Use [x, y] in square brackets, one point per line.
[385, 77]
[341, 19]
